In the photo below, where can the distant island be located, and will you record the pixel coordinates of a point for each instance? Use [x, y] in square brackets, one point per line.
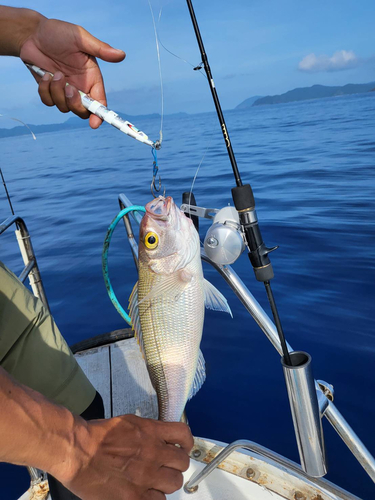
[295, 95]
[72, 123]
[306, 93]
[248, 103]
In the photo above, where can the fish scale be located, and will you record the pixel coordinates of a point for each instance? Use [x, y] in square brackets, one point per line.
[174, 329]
[167, 305]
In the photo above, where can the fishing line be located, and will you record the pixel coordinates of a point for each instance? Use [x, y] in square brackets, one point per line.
[22, 123]
[196, 172]
[1, 172]
[160, 73]
[195, 67]
[194, 179]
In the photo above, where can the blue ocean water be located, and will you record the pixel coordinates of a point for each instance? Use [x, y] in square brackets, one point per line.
[311, 166]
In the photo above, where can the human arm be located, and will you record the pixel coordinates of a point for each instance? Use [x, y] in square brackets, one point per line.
[100, 459]
[64, 49]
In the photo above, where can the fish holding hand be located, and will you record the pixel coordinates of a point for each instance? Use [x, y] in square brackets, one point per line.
[167, 305]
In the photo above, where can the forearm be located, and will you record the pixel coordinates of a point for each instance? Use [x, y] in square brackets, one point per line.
[34, 431]
[16, 25]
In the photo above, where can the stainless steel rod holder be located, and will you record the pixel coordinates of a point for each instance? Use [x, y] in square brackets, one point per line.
[305, 413]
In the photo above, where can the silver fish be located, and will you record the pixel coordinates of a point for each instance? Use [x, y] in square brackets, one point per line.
[167, 305]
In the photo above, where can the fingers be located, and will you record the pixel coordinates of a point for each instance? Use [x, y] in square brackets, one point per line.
[177, 433]
[154, 495]
[73, 100]
[168, 480]
[176, 458]
[44, 92]
[97, 92]
[53, 91]
[97, 48]
[57, 90]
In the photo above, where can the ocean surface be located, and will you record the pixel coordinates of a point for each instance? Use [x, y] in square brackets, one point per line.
[312, 168]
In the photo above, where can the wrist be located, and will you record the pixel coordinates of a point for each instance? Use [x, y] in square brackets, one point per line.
[70, 443]
[16, 26]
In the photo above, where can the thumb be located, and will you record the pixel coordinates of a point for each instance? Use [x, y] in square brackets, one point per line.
[95, 47]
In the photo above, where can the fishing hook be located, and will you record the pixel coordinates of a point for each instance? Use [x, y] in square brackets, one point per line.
[154, 187]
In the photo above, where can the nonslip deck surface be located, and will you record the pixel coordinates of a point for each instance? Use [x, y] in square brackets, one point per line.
[118, 372]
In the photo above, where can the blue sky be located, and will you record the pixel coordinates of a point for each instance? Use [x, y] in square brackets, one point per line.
[255, 47]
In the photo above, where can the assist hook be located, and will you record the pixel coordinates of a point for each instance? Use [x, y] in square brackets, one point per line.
[155, 188]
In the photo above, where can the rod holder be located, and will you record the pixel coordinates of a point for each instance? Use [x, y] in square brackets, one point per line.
[305, 412]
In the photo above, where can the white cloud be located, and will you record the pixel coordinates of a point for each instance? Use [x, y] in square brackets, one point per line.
[341, 60]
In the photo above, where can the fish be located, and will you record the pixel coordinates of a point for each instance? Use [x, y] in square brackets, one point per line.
[167, 305]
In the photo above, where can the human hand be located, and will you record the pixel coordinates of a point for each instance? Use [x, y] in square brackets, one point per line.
[126, 457]
[69, 52]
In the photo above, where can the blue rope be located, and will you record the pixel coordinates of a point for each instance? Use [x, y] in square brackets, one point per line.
[107, 241]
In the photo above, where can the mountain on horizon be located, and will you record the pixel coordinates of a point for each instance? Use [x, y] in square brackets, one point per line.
[71, 123]
[306, 93]
[298, 94]
[247, 103]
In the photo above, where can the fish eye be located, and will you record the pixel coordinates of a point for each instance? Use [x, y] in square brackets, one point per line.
[151, 240]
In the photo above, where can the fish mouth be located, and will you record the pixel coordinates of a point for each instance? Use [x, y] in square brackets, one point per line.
[160, 208]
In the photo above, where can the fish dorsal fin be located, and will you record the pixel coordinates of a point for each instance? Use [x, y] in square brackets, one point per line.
[213, 299]
[134, 315]
[200, 375]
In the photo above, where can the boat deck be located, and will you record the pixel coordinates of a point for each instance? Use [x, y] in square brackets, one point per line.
[118, 371]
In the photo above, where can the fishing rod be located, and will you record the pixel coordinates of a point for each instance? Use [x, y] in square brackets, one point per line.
[6, 191]
[244, 202]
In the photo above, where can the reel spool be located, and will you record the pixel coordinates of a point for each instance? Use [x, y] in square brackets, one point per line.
[224, 242]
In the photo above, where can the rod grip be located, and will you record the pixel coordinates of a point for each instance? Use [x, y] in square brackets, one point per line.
[258, 252]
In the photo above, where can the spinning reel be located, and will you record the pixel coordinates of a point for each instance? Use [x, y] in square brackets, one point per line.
[224, 240]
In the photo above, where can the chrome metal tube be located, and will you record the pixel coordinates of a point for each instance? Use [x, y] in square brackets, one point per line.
[26, 271]
[271, 457]
[132, 241]
[351, 439]
[124, 200]
[28, 255]
[36, 475]
[305, 413]
[249, 302]
[192, 485]
[125, 203]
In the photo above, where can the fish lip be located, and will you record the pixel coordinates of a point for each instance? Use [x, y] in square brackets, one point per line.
[166, 208]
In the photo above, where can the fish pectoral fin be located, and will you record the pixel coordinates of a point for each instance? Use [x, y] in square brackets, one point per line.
[170, 287]
[200, 375]
[214, 300]
[185, 276]
[134, 316]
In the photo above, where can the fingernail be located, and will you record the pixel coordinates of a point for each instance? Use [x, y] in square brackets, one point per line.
[57, 76]
[69, 91]
[46, 77]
